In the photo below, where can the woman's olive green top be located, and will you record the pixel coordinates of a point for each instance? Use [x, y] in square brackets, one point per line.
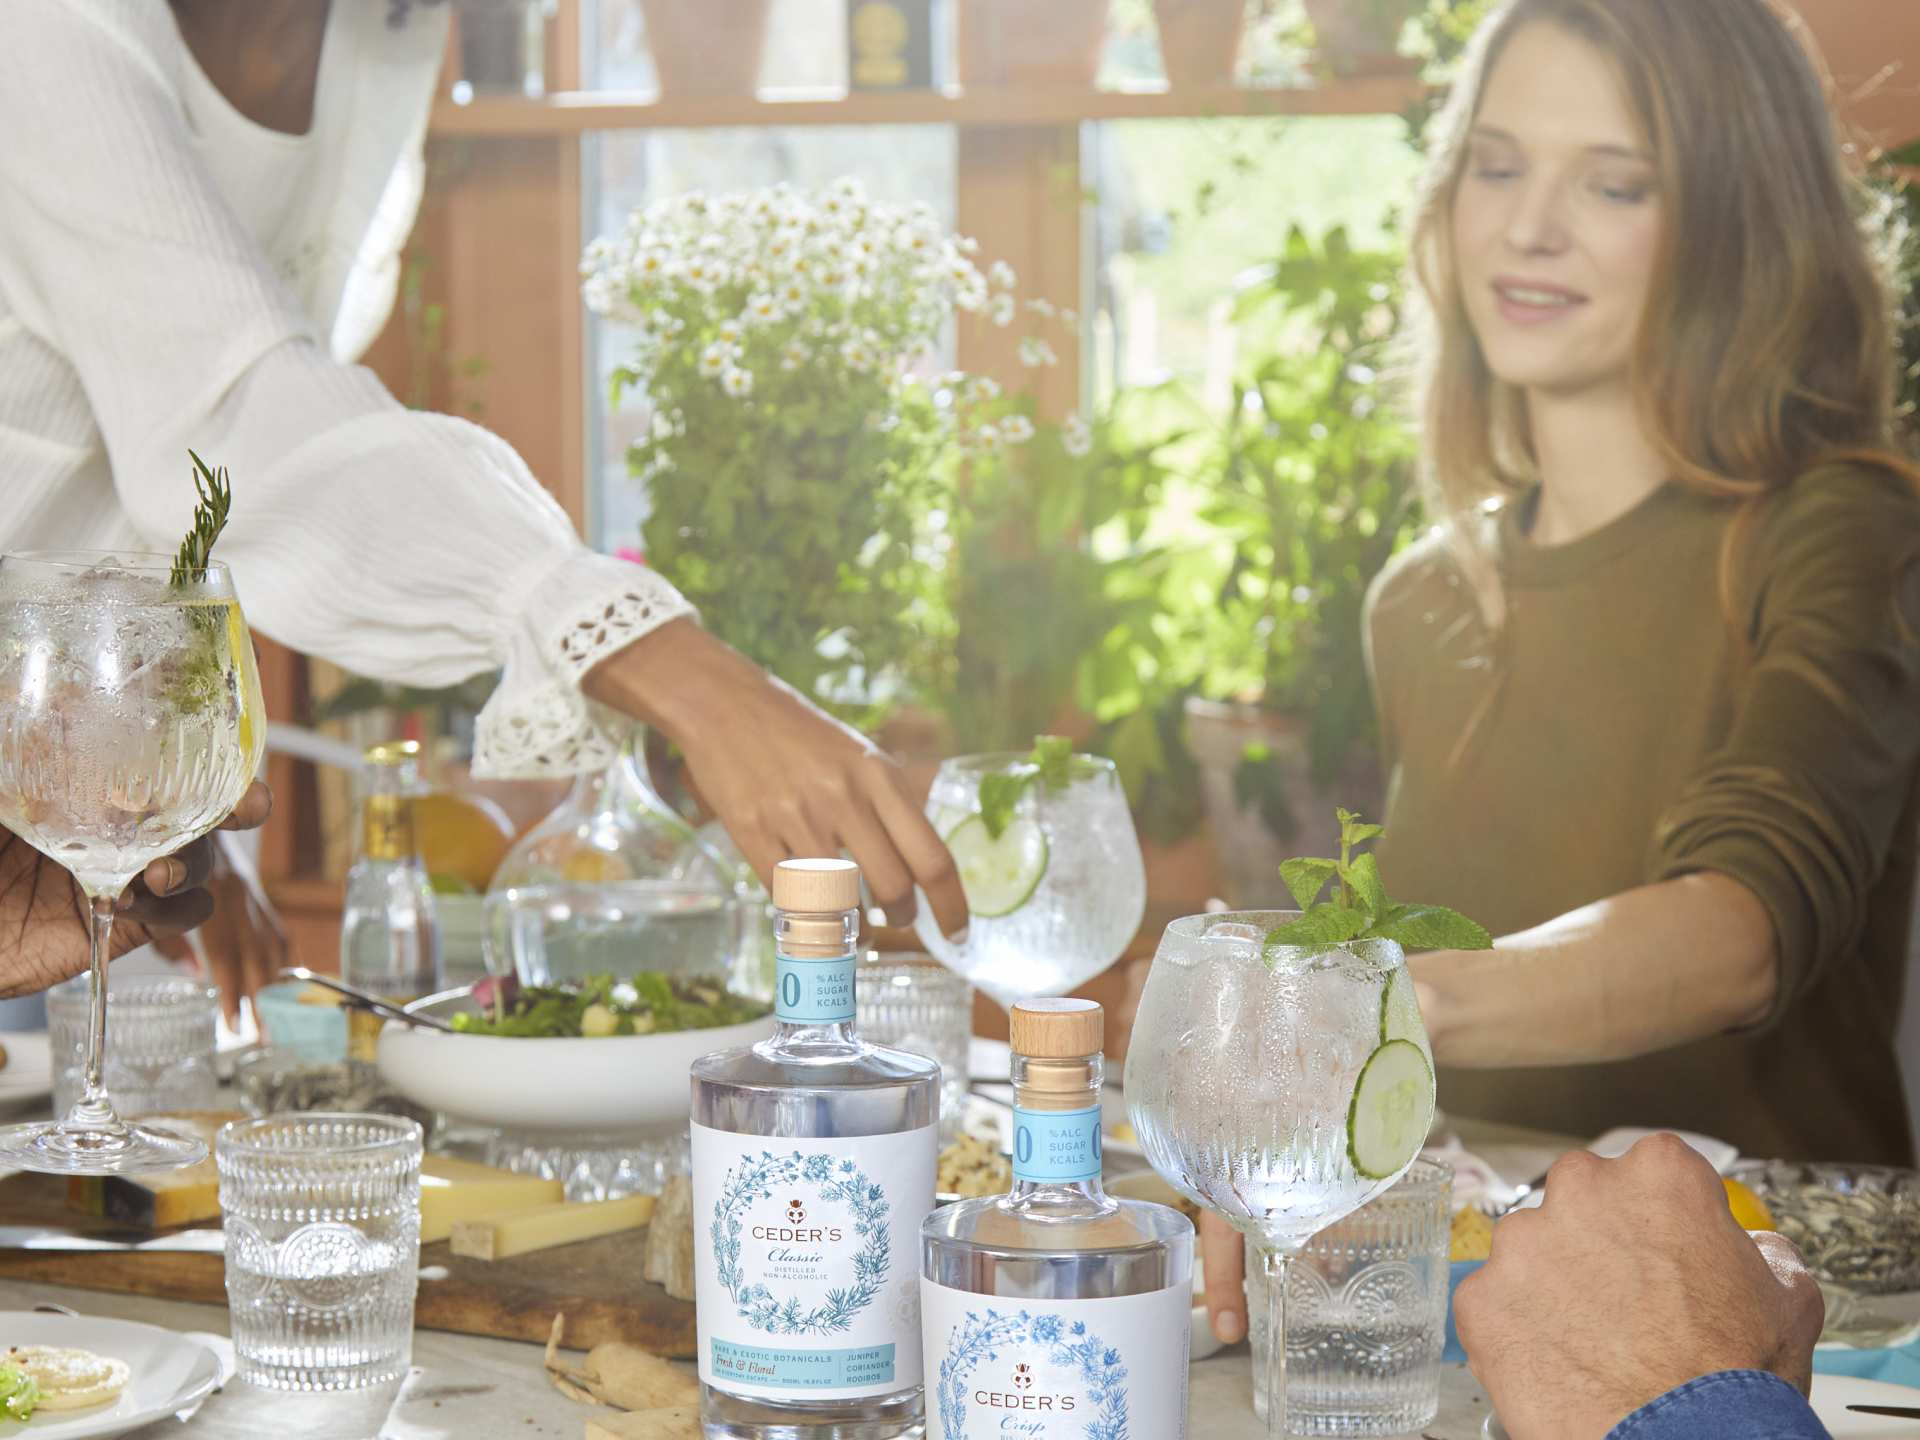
[1629, 736]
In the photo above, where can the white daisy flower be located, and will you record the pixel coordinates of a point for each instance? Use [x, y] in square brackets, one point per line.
[987, 436]
[985, 387]
[715, 359]
[737, 382]
[1016, 429]
[1076, 436]
[793, 356]
[730, 333]
[762, 308]
[1002, 310]
[1002, 276]
[1035, 353]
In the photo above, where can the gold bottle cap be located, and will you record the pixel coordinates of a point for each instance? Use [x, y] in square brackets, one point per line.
[816, 886]
[1058, 1029]
[393, 752]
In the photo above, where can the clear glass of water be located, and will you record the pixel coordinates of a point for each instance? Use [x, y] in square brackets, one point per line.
[914, 1003]
[323, 1240]
[1366, 1314]
[162, 1055]
[1057, 895]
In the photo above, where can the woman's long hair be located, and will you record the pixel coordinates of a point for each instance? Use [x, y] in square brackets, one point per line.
[1766, 347]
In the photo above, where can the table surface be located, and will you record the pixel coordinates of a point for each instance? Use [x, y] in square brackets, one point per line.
[464, 1387]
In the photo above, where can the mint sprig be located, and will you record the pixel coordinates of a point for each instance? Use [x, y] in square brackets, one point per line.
[1358, 907]
[1050, 764]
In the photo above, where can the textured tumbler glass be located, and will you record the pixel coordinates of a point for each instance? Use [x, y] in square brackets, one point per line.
[162, 1052]
[1366, 1314]
[914, 1003]
[323, 1247]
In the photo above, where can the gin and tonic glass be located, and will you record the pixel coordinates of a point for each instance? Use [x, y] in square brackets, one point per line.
[1056, 895]
[130, 724]
[1282, 1087]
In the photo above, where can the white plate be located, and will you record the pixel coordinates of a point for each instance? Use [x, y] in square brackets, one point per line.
[1832, 1394]
[28, 1075]
[617, 1084]
[171, 1372]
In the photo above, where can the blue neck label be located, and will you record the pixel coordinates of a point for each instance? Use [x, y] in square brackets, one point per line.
[1056, 1146]
[811, 991]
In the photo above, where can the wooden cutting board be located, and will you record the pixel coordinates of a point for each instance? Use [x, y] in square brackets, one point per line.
[597, 1283]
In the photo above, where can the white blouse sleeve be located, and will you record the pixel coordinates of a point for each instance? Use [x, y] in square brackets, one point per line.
[401, 545]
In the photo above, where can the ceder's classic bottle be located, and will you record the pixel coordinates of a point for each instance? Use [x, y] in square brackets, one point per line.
[813, 1166]
[1054, 1312]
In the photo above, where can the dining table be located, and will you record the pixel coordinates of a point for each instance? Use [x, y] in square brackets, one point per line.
[465, 1387]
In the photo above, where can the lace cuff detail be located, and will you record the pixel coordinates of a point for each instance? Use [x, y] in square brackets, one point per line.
[537, 724]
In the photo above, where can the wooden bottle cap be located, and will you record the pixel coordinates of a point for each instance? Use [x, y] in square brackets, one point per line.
[815, 886]
[1058, 1029]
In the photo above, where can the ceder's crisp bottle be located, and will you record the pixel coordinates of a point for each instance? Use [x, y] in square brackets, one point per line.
[813, 1166]
[1054, 1312]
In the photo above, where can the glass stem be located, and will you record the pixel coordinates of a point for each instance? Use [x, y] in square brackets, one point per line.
[92, 1111]
[1275, 1263]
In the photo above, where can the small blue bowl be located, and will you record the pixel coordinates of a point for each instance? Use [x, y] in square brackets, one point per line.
[1458, 1271]
[316, 1033]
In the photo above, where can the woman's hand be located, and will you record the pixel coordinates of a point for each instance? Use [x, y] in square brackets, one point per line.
[1223, 1254]
[43, 915]
[784, 777]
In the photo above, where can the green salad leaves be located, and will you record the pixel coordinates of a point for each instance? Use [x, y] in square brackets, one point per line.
[646, 1004]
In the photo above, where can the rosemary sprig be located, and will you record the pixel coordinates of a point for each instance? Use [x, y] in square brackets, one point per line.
[209, 519]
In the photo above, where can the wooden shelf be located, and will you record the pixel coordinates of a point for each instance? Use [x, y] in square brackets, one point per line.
[580, 111]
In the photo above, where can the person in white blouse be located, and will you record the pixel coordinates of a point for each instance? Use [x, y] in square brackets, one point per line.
[202, 207]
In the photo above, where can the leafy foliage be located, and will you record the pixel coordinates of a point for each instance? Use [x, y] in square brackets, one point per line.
[1359, 908]
[1310, 490]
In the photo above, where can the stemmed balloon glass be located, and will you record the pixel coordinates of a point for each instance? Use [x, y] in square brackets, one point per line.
[130, 724]
[1057, 894]
[1281, 1087]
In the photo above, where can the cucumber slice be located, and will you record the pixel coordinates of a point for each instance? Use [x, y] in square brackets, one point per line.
[1400, 1011]
[999, 876]
[945, 819]
[1391, 1110]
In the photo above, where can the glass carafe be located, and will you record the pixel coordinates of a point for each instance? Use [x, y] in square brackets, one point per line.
[613, 882]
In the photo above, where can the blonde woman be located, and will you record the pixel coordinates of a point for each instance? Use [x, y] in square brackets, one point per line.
[1651, 694]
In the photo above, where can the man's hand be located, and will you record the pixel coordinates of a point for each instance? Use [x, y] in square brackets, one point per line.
[1630, 1279]
[43, 915]
[785, 778]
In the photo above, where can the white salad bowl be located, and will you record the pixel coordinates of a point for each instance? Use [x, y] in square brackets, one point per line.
[610, 1085]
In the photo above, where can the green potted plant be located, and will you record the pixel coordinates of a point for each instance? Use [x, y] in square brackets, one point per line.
[794, 458]
[1200, 40]
[1309, 482]
[712, 49]
[1058, 599]
[1005, 43]
[1362, 37]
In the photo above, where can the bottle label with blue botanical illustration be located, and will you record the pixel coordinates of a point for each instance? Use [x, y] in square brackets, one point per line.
[1107, 1369]
[812, 991]
[806, 1262]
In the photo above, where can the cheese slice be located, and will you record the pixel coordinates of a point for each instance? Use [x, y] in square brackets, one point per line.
[501, 1237]
[157, 1199]
[453, 1190]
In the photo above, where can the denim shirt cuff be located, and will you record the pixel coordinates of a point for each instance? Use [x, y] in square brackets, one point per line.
[1727, 1405]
